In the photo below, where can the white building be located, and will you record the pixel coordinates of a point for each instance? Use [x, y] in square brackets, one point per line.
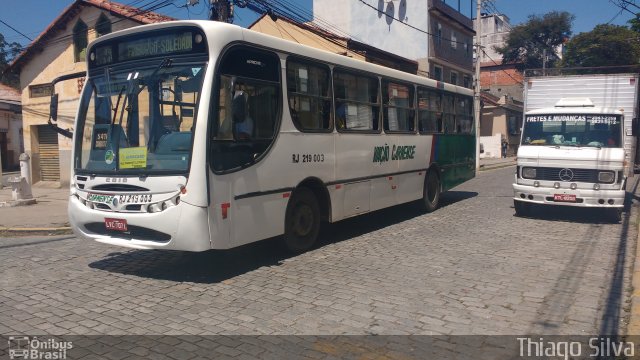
[430, 32]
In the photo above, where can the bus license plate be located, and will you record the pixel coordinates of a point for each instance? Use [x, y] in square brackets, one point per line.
[134, 199]
[115, 224]
[564, 197]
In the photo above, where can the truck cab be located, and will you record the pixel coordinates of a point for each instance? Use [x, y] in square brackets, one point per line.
[571, 155]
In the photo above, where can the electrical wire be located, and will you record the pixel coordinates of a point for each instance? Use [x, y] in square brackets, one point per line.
[14, 29]
[153, 6]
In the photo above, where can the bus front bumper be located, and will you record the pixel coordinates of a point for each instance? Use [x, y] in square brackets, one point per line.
[583, 197]
[182, 227]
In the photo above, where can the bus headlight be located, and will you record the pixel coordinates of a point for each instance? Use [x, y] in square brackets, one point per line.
[529, 173]
[606, 177]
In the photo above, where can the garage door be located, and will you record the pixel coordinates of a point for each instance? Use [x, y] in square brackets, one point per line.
[49, 155]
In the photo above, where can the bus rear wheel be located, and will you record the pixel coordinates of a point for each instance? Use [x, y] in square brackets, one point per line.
[302, 221]
[431, 193]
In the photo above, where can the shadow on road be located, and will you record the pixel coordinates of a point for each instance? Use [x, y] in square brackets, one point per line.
[218, 265]
[561, 298]
[610, 324]
[569, 214]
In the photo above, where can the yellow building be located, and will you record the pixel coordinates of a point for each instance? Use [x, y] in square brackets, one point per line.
[60, 50]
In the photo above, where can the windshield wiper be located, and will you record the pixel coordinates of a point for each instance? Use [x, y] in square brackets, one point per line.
[115, 109]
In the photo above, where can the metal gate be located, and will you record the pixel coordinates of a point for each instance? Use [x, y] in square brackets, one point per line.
[49, 155]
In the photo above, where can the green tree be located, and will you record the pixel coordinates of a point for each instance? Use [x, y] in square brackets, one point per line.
[527, 43]
[8, 51]
[635, 23]
[605, 45]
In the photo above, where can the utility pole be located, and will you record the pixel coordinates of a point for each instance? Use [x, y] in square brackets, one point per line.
[476, 105]
[221, 10]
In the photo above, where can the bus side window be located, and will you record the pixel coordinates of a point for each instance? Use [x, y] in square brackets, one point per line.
[357, 102]
[398, 113]
[249, 105]
[429, 111]
[224, 128]
[309, 95]
[449, 113]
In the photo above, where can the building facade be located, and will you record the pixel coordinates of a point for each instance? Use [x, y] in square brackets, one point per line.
[501, 116]
[495, 77]
[430, 32]
[60, 50]
[450, 45]
[309, 35]
[11, 144]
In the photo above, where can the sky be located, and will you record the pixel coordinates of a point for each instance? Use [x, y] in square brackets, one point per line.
[31, 17]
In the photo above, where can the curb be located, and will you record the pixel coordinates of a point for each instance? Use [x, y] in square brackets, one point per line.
[633, 328]
[36, 230]
[493, 167]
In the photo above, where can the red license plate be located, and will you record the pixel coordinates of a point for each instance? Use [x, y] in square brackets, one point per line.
[115, 224]
[564, 197]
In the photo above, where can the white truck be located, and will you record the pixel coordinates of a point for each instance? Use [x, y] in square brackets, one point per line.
[578, 142]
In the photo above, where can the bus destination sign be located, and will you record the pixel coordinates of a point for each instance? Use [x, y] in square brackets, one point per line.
[155, 46]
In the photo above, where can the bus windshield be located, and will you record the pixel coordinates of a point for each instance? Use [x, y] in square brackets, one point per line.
[139, 120]
[591, 130]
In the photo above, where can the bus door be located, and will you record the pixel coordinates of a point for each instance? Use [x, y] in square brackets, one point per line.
[244, 126]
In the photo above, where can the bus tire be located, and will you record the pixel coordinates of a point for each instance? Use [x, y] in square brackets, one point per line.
[431, 191]
[302, 221]
[522, 208]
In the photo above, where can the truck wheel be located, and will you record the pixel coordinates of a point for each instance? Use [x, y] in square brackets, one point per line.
[431, 193]
[522, 208]
[302, 221]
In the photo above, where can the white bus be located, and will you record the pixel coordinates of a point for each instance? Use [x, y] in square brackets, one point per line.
[198, 135]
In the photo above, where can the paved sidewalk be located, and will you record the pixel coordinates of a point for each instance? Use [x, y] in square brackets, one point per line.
[496, 163]
[50, 211]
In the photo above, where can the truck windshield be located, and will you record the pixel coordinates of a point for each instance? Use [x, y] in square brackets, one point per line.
[139, 120]
[593, 130]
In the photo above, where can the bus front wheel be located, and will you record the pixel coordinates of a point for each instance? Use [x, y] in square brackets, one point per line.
[302, 221]
[431, 194]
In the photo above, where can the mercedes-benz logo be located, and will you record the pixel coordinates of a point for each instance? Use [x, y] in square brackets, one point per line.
[565, 174]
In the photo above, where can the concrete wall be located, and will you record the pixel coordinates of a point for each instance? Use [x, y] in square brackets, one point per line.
[56, 59]
[491, 146]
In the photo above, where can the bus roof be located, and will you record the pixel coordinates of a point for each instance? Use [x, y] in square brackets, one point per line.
[220, 34]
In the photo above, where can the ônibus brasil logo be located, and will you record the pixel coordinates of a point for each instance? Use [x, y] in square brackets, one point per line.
[24, 347]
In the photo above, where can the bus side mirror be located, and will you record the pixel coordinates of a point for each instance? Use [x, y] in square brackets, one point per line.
[634, 127]
[53, 108]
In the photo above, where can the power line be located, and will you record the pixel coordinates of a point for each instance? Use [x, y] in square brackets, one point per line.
[154, 5]
[14, 29]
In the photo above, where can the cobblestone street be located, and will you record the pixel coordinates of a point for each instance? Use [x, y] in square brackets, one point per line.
[471, 267]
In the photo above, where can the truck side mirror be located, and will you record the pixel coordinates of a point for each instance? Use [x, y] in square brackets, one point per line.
[53, 108]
